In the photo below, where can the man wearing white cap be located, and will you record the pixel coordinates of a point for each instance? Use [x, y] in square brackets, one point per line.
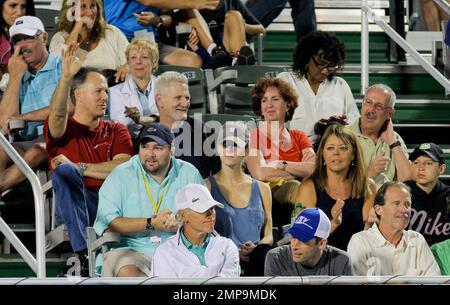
[308, 253]
[196, 250]
[34, 74]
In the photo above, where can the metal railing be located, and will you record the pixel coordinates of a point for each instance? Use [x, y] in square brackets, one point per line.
[368, 12]
[444, 5]
[37, 264]
[257, 280]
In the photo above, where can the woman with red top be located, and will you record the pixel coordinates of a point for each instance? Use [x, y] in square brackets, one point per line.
[279, 156]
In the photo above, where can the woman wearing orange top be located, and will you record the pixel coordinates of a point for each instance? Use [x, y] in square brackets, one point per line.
[279, 156]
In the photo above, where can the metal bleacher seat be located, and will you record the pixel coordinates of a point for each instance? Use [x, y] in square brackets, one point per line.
[197, 86]
[235, 94]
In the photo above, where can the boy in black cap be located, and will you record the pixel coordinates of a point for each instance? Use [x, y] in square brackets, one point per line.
[430, 213]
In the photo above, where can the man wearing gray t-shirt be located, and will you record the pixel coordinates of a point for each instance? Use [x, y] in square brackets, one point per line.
[308, 252]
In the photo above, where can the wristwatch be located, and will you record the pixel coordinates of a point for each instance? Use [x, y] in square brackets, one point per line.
[83, 167]
[285, 164]
[395, 144]
[149, 226]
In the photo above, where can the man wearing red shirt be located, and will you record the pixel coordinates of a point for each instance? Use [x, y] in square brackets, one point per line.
[82, 149]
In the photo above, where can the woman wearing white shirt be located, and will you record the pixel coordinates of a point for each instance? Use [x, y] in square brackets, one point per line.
[132, 103]
[321, 93]
[103, 44]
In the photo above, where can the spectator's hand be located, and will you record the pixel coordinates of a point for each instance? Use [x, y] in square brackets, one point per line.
[172, 224]
[17, 65]
[336, 212]
[207, 4]
[371, 219]
[71, 64]
[133, 113]
[378, 165]
[121, 73]
[277, 164]
[388, 134]
[245, 250]
[147, 18]
[193, 40]
[62, 159]
[159, 220]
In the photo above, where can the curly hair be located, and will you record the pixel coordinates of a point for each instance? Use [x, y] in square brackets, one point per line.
[64, 24]
[289, 95]
[29, 11]
[143, 45]
[333, 51]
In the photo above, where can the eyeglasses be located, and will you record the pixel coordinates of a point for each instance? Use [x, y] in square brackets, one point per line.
[330, 68]
[378, 106]
[18, 38]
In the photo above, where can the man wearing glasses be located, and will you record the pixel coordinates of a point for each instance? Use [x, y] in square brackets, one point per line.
[384, 151]
[33, 76]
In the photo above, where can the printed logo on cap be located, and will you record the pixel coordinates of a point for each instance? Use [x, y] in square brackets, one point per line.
[19, 22]
[302, 220]
[425, 146]
[194, 200]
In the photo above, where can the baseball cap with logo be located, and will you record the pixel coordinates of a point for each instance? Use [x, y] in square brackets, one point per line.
[429, 150]
[233, 132]
[195, 197]
[26, 25]
[157, 132]
[310, 223]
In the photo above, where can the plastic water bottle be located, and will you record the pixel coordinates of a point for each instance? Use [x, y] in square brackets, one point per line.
[296, 211]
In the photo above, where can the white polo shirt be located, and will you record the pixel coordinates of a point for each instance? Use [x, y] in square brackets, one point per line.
[371, 254]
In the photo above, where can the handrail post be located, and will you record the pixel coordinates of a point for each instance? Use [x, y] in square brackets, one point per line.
[37, 265]
[441, 79]
[364, 49]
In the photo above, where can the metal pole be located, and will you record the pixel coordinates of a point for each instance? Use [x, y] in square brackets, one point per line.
[39, 213]
[405, 46]
[364, 49]
[443, 4]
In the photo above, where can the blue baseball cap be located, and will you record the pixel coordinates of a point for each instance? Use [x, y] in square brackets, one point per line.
[157, 132]
[310, 223]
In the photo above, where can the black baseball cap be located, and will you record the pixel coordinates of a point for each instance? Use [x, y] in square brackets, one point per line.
[157, 132]
[430, 150]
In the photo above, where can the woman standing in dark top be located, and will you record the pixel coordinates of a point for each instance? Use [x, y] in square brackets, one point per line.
[339, 185]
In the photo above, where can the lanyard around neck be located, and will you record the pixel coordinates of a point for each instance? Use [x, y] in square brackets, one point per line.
[156, 206]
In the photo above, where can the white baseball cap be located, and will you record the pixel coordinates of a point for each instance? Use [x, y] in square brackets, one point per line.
[235, 132]
[27, 25]
[195, 197]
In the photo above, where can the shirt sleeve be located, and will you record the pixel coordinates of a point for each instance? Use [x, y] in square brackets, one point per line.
[122, 141]
[358, 256]
[109, 203]
[427, 262]
[161, 264]
[117, 106]
[121, 44]
[301, 139]
[231, 267]
[58, 42]
[271, 264]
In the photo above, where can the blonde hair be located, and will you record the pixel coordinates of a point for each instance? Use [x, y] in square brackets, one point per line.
[67, 25]
[143, 44]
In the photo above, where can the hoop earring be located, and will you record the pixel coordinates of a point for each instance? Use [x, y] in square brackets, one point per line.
[353, 163]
